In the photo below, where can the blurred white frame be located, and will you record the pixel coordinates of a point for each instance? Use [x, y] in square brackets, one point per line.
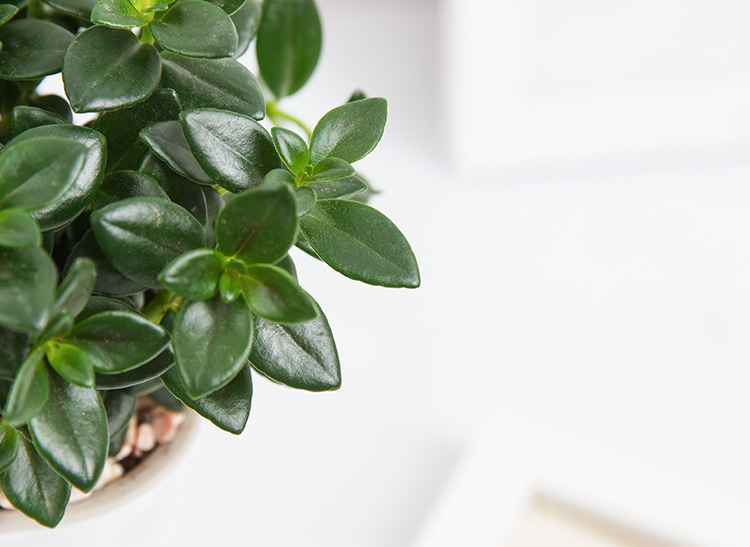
[516, 463]
[616, 81]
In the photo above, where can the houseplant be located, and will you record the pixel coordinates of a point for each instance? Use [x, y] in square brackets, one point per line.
[148, 252]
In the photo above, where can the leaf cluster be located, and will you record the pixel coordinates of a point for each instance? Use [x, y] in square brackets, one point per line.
[150, 251]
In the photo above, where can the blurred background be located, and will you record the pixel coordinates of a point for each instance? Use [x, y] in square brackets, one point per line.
[573, 178]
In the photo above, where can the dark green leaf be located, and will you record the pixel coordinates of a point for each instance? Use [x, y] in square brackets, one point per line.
[117, 341]
[18, 229]
[358, 95]
[106, 69]
[71, 433]
[78, 8]
[140, 236]
[59, 326]
[211, 341]
[291, 148]
[194, 275]
[13, 350]
[32, 48]
[287, 264]
[224, 84]
[99, 304]
[33, 488]
[7, 11]
[331, 169]
[349, 132]
[306, 200]
[214, 205]
[289, 43]
[196, 29]
[361, 243]
[121, 185]
[145, 388]
[230, 286]
[275, 295]
[122, 127]
[301, 356]
[28, 117]
[279, 177]
[29, 391]
[120, 407]
[54, 104]
[228, 408]
[71, 363]
[258, 225]
[229, 6]
[34, 172]
[8, 446]
[246, 20]
[118, 14]
[167, 141]
[153, 369]
[27, 288]
[76, 288]
[163, 397]
[234, 150]
[185, 193]
[339, 188]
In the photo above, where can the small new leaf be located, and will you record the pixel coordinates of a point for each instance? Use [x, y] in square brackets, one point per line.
[194, 275]
[71, 363]
[292, 149]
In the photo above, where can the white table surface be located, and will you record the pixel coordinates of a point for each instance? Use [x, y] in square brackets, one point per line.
[612, 302]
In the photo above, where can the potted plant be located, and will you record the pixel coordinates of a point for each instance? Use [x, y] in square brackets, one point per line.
[149, 251]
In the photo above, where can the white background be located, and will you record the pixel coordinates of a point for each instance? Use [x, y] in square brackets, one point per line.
[605, 298]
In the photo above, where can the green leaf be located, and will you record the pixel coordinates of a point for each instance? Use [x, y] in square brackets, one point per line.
[122, 185]
[258, 225]
[301, 356]
[8, 447]
[13, 350]
[339, 188]
[228, 6]
[29, 391]
[54, 104]
[140, 236]
[71, 363]
[17, 229]
[331, 169]
[122, 128]
[140, 375]
[34, 172]
[194, 275]
[27, 287]
[279, 177]
[228, 408]
[56, 328]
[349, 132]
[99, 304]
[107, 69]
[224, 84]
[7, 11]
[275, 295]
[77, 8]
[287, 264]
[167, 141]
[291, 148]
[306, 200]
[71, 433]
[116, 341]
[163, 397]
[32, 48]
[230, 286]
[185, 193]
[120, 407]
[214, 206]
[211, 342]
[183, 30]
[289, 43]
[28, 117]
[361, 243]
[33, 488]
[71, 203]
[76, 288]
[234, 150]
[246, 20]
[118, 14]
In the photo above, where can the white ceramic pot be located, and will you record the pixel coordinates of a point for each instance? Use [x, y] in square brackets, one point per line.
[137, 481]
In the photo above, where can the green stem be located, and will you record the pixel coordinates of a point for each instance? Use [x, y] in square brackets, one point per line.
[277, 115]
[161, 304]
[146, 36]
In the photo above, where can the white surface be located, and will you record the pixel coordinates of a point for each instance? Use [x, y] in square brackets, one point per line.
[610, 303]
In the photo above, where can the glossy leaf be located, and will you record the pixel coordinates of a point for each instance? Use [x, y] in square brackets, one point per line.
[18, 229]
[118, 14]
[291, 148]
[27, 288]
[13, 350]
[106, 69]
[78, 8]
[301, 356]
[167, 141]
[99, 304]
[339, 188]
[140, 236]
[279, 177]
[196, 29]
[228, 408]
[361, 243]
[57, 327]
[194, 275]
[75, 289]
[234, 150]
[224, 84]
[230, 286]
[71, 433]
[71, 363]
[33, 488]
[211, 341]
[185, 193]
[8, 447]
[331, 169]
[275, 295]
[142, 374]
[246, 20]
[28, 117]
[7, 11]
[32, 48]
[288, 45]
[119, 407]
[29, 391]
[349, 132]
[306, 200]
[122, 185]
[122, 128]
[117, 341]
[258, 225]
[228, 6]
[54, 104]
[34, 172]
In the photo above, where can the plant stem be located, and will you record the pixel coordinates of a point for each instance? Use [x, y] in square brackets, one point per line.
[146, 36]
[163, 302]
[276, 115]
